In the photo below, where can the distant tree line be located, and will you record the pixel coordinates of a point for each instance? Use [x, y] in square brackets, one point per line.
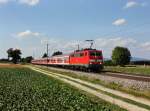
[4, 60]
[54, 54]
[57, 53]
[27, 59]
[140, 62]
[110, 63]
[44, 55]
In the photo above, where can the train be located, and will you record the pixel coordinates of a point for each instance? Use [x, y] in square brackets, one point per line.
[85, 59]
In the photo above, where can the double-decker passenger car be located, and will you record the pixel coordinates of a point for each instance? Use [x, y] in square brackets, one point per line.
[86, 59]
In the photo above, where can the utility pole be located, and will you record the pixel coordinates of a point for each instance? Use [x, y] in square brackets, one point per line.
[78, 47]
[47, 48]
[47, 53]
[34, 53]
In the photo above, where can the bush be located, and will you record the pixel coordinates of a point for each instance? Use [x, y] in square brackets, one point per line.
[108, 63]
[27, 60]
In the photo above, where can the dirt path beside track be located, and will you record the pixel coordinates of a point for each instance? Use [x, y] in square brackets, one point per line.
[83, 85]
[7, 65]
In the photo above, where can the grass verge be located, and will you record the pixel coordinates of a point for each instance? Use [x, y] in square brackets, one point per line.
[136, 70]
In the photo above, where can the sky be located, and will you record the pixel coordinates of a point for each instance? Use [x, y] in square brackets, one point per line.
[30, 24]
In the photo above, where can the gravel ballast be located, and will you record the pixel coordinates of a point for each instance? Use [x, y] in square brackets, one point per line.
[124, 82]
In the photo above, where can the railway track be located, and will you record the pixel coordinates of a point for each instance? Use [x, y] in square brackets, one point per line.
[112, 74]
[128, 76]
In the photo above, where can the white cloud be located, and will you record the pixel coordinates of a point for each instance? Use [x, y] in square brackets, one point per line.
[145, 46]
[119, 22]
[113, 42]
[4, 1]
[132, 4]
[144, 4]
[26, 34]
[29, 2]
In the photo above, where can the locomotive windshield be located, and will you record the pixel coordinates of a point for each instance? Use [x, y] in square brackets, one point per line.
[95, 54]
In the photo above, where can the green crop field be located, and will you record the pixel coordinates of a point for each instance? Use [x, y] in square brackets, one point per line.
[24, 89]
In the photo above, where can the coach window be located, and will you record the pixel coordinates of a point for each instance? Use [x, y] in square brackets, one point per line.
[72, 55]
[66, 58]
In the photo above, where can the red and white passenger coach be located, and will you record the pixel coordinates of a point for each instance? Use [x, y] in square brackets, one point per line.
[86, 59]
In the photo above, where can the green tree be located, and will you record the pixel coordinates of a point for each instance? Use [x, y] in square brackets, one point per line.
[121, 56]
[57, 53]
[9, 52]
[44, 55]
[23, 60]
[28, 59]
[15, 54]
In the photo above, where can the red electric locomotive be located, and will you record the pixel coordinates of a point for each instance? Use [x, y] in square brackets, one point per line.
[86, 59]
[90, 59]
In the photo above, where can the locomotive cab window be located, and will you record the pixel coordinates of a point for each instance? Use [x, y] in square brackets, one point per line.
[95, 54]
